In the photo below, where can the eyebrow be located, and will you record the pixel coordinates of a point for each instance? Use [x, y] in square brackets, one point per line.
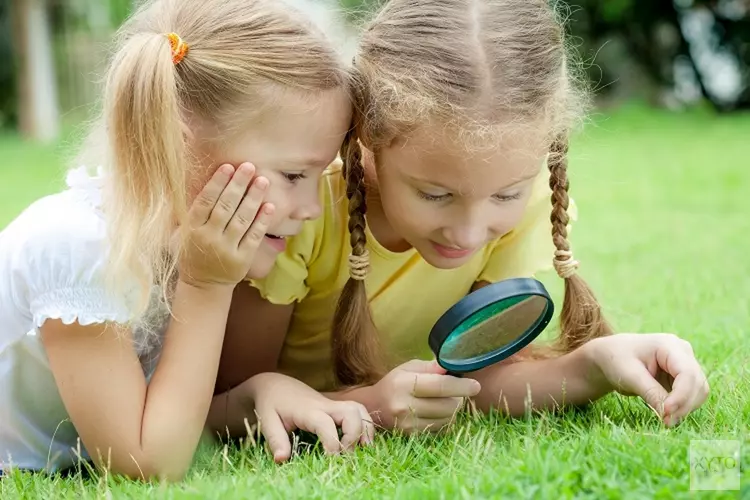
[447, 188]
[306, 162]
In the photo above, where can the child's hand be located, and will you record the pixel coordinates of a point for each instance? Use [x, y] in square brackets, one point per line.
[660, 368]
[284, 404]
[223, 233]
[418, 396]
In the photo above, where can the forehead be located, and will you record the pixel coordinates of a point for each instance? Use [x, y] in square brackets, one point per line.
[302, 128]
[441, 156]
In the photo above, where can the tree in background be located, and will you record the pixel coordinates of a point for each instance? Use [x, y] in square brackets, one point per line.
[8, 98]
[38, 109]
[57, 51]
[671, 46]
[673, 53]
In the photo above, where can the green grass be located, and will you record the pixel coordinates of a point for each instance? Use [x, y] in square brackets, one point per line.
[663, 236]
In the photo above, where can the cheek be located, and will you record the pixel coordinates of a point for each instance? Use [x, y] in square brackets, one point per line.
[405, 211]
[509, 218]
[416, 220]
[197, 180]
[277, 195]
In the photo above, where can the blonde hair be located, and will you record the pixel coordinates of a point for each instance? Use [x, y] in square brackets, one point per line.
[475, 66]
[235, 52]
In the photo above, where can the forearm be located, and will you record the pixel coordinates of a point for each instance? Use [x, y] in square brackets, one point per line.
[180, 392]
[570, 379]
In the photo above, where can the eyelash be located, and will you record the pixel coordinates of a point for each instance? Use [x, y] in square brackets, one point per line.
[293, 178]
[444, 197]
[430, 197]
[508, 198]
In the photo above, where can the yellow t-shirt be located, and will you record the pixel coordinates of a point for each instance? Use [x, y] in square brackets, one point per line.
[406, 294]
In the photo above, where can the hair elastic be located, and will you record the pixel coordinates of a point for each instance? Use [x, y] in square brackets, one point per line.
[565, 265]
[359, 265]
[179, 47]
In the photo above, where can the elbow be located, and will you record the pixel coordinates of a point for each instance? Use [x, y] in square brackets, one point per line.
[145, 468]
[167, 474]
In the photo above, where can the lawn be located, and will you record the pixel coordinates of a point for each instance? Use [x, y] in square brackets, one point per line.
[663, 236]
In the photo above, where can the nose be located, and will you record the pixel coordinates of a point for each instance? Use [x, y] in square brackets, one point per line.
[308, 207]
[468, 236]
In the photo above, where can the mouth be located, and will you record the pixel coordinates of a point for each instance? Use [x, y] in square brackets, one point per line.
[450, 252]
[276, 241]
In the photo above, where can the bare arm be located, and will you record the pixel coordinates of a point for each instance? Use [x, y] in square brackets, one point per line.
[133, 428]
[151, 429]
[255, 334]
[571, 379]
[660, 368]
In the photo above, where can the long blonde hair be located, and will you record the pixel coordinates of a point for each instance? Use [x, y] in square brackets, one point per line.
[236, 50]
[472, 65]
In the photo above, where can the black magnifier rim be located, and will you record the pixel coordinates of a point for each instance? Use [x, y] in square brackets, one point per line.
[473, 303]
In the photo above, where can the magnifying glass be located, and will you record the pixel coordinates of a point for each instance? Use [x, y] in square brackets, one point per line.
[490, 325]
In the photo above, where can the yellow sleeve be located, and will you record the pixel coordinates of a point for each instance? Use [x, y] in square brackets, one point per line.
[528, 249]
[287, 281]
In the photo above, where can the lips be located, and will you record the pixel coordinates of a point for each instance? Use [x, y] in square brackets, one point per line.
[451, 253]
[276, 242]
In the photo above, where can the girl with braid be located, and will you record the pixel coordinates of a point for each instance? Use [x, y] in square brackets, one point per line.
[454, 175]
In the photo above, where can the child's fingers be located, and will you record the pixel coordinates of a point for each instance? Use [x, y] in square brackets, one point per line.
[368, 436]
[201, 207]
[322, 425]
[689, 391]
[349, 418]
[258, 229]
[432, 385]
[245, 214]
[638, 380]
[276, 436]
[688, 379]
[231, 197]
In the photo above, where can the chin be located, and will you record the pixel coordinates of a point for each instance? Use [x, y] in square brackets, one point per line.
[261, 267]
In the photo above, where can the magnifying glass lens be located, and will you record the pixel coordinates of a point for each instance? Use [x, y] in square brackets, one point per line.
[493, 328]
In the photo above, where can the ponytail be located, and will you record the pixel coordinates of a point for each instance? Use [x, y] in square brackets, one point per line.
[357, 353]
[581, 317]
[147, 181]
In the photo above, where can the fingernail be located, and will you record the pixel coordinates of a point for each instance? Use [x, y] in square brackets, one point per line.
[261, 182]
[268, 209]
[226, 169]
[245, 167]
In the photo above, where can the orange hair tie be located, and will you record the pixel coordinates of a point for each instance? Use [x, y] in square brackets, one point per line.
[179, 47]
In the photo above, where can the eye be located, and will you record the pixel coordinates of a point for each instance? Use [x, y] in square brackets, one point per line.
[293, 178]
[500, 197]
[432, 197]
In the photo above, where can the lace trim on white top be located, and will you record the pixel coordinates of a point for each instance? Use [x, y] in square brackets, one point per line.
[87, 306]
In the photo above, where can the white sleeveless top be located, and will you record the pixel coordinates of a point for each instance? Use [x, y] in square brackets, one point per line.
[52, 260]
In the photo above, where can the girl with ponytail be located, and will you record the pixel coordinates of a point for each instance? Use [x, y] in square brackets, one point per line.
[453, 175]
[219, 116]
